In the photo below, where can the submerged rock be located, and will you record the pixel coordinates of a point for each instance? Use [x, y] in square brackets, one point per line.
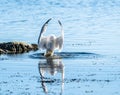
[16, 47]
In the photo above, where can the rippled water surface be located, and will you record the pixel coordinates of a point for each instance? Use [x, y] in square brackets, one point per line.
[89, 63]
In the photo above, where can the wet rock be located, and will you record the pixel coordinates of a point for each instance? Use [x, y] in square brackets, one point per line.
[16, 47]
[2, 51]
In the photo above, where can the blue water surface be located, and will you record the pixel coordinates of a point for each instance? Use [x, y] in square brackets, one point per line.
[91, 53]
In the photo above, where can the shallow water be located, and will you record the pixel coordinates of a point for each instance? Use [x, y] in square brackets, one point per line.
[89, 62]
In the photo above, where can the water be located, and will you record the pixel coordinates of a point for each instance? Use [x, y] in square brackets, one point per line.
[90, 59]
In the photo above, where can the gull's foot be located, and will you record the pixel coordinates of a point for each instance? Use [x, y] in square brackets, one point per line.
[48, 54]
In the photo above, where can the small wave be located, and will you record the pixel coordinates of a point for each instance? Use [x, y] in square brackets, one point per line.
[17, 21]
[73, 80]
[67, 55]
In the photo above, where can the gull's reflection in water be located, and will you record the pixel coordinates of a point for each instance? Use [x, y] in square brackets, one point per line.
[52, 67]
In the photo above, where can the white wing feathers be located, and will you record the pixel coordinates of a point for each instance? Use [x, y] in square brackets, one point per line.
[43, 43]
[60, 39]
[43, 29]
[50, 42]
[59, 42]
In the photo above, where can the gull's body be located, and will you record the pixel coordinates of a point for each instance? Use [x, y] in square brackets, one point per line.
[51, 42]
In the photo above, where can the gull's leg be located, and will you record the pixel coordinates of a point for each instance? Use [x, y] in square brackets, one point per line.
[48, 53]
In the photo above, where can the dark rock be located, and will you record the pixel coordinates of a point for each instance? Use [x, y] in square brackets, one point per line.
[2, 51]
[16, 47]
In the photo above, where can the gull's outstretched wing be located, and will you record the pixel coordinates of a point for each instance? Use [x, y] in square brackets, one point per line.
[60, 39]
[44, 27]
[62, 32]
[59, 42]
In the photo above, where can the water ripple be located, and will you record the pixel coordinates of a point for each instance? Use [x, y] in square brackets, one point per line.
[67, 55]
